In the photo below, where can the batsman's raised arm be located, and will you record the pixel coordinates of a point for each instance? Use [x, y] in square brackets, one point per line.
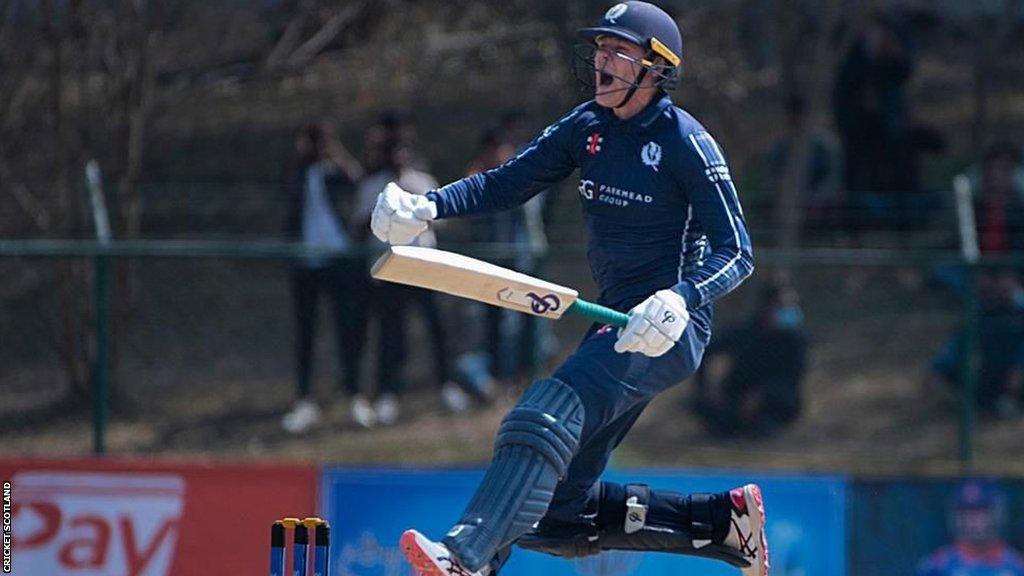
[547, 160]
[399, 216]
[714, 210]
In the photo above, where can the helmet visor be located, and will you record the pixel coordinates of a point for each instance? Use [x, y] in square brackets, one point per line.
[592, 67]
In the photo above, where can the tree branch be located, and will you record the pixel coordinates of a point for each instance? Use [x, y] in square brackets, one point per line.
[288, 41]
[26, 200]
[327, 33]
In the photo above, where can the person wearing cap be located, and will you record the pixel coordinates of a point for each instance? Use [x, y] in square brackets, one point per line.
[667, 238]
[976, 517]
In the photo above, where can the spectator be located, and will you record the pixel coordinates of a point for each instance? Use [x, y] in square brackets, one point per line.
[316, 180]
[510, 339]
[871, 118]
[977, 515]
[1000, 344]
[760, 368]
[997, 185]
[999, 217]
[391, 301]
[999, 207]
[394, 127]
[478, 366]
[812, 202]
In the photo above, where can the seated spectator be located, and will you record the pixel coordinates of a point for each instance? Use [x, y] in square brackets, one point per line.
[760, 365]
[976, 519]
[1000, 387]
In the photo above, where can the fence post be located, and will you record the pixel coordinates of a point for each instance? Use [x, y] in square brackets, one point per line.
[969, 367]
[969, 361]
[100, 371]
[101, 399]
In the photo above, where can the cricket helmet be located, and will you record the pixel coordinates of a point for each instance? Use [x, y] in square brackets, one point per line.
[645, 25]
[977, 511]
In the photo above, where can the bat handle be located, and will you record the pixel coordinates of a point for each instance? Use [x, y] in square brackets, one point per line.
[598, 313]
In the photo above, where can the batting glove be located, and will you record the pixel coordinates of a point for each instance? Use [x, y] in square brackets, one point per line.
[655, 325]
[399, 217]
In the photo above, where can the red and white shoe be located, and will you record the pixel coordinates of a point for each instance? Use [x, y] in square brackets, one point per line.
[429, 558]
[747, 531]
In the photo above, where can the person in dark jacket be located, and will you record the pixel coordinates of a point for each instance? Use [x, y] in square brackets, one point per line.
[766, 360]
[1000, 348]
[317, 181]
[872, 121]
[999, 207]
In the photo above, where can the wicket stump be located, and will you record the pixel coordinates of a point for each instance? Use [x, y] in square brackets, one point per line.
[300, 546]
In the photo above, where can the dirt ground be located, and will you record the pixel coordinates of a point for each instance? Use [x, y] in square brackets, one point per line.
[873, 423]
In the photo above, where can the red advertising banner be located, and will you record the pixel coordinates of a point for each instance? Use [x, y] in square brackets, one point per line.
[115, 517]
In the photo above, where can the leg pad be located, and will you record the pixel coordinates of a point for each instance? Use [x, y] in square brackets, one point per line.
[632, 517]
[534, 446]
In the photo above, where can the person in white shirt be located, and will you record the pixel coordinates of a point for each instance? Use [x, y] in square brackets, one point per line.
[320, 174]
[392, 301]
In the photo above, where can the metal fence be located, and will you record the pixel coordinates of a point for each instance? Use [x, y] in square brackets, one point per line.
[200, 357]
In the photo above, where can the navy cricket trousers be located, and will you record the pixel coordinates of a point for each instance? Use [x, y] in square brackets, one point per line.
[615, 388]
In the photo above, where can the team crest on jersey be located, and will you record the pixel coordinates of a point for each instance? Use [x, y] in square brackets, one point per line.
[594, 143]
[651, 155]
[615, 11]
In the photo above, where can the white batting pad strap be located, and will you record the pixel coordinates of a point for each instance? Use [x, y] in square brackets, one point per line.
[636, 515]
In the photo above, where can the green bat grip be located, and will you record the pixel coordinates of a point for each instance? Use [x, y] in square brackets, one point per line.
[598, 313]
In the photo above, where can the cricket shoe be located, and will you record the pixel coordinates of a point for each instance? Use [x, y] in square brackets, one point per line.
[455, 399]
[362, 411]
[430, 558]
[302, 417]
[387, 409]
[747, 528]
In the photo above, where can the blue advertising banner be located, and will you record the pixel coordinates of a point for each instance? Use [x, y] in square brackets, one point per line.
[369, 510]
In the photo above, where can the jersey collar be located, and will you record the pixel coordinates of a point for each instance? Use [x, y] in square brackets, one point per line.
[648, 115]
[645, 117]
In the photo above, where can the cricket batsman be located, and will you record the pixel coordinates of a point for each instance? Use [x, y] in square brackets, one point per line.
[666, 238]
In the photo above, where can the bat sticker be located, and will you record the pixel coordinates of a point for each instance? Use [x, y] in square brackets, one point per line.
[544, 304]
[536, 303]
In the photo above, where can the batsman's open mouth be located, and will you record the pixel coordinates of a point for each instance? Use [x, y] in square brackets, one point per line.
[605, 79]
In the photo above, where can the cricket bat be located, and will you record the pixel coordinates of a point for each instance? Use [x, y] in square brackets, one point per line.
[467, 277]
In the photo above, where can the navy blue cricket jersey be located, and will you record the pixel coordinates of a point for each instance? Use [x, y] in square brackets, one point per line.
[659, 204]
